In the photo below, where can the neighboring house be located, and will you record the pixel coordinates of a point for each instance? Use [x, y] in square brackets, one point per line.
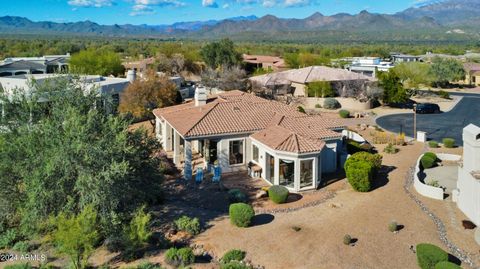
[295, 81]
[139, 66]
[467, 194]
[368, 66]
[34, 65]
[238, 130]
[266, 62]
[404, 58]
[106, 86]
[472, 73]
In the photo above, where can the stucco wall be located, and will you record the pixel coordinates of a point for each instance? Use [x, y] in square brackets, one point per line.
[329, 157]
[469, 195]
[347, 103]
[424, 189]
[223, 153]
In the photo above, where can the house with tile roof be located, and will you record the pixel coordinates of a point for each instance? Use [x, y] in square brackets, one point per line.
[472, 74]
[47, 64]
[266, 62]
[239, 131]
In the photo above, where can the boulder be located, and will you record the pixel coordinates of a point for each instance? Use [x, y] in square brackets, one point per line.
[261, 194]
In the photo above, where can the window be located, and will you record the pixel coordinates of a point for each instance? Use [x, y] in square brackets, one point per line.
[236, 152]
[255, 153]
[306, 173]
[287, 173]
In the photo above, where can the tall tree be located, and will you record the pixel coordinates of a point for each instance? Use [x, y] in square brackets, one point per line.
[62, 155]
[413, 74]
[394, 92]
[221, 53]
[144, 95]
[445, 70]
[96, 62]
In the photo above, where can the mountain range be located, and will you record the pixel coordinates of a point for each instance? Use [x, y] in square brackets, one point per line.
[432, 20]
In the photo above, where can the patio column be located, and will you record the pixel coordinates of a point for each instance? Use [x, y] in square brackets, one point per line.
[176, 148]
[296, 176]
[167, 134]
[276, 180]
[187, 169]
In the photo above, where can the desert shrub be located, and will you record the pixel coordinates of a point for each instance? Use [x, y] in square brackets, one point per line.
[427, 162]
[187, 224]
[331, 103]
[429, 255]
[443, 94]
[235, 265]
[318, 106]
[8, 238]
[374, 159]
[360, 175]
[431, 155]
[182, 256]
[233, 255]
[241, 214]
[433, 183]
[433, 144]
[301, 109]
[390, 149]
[22, 246]
[237, 196]
[18, 266]
[148, 265]
[278, 194]
[347, 239]
[448, 142]
[393, 226]
[115, 243]
[447, 265]
[344, 113]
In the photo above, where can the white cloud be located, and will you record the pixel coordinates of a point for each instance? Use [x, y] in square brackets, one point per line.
[209, 3]
[225, 6]
[296, 3]
[90, 3]
[269, 3]
[146, 7]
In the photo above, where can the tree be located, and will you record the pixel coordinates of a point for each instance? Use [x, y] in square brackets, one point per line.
[225, 78]
[96, 62]
[144, 95]
[221, 53]
[137, 233]
[63, 155]
[76, 235]
[394, 92]
[445, 70]
[320, 89]
[413, 74]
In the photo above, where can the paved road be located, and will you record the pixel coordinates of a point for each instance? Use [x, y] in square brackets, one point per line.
[437, 126]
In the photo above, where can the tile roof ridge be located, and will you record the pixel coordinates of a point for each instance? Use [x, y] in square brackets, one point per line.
[199, 120]
[297, 143]
[308, 75]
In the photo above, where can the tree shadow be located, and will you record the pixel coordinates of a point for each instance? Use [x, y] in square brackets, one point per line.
[382, 176]
[205, 258]
[453, 259]
[261, 219]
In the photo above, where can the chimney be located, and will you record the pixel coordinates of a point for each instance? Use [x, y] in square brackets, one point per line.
[200, 96]
[131, 75]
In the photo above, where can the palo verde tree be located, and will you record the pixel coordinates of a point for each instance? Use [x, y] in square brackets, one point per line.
[393, 90]
[59, 153]
[96, 62]
[444, 71]
[220, 53]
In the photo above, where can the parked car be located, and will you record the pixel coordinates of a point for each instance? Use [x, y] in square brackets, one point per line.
[427, 108]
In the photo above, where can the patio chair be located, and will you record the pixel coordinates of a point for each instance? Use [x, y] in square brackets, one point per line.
[199, 175]
[217, 172]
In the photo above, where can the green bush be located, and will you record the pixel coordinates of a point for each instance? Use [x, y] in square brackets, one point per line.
[301, 109]
[235, 265]
[347, 239]
[429, 255]
[176, 257]
[393, 226]
[22, 246]
[241, 214]
[390, 149]
[148, 265]
[18, 266]
[344, 113]
[278, 194]
[331, 103]
[318, 106]
[431, 155]
[187, 224]
[374, 159]
[427, 162]
[448, 142]
[443, 94]
[360, 175]
[433, 144]
[447, 265]
[237, 196]
[233, 255]
[8, 238]
[354, 147]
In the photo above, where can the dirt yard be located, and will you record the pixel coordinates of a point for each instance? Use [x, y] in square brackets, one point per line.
[365, 216]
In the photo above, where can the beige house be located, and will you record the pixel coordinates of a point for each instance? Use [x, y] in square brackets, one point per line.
[266, 62]
[472, 74]
[240, 131]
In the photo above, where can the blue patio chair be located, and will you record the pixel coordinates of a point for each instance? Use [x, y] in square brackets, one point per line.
[217, 172]
[199, 175]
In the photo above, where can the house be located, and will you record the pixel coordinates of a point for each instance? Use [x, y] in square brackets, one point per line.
[239, 131]
[467, 194]
[404, 58]
[34, 65]
[106, 86]
[369, 66]
[139, 66]
[295, 81]
[472, 73]
[266, 62]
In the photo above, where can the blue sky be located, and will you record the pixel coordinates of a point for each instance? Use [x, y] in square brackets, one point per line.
[169, 11]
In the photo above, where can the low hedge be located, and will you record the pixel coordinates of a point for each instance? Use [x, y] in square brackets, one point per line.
[233, 255]
[448, 142]
[278, 194]
[344, 113]
[433, 144]
[427, 162]
[374, 159]
[241, 214]
[235, 265]
[182, 256]
[429, 255]
[447, 265]
[360, 175]
[431, 155]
